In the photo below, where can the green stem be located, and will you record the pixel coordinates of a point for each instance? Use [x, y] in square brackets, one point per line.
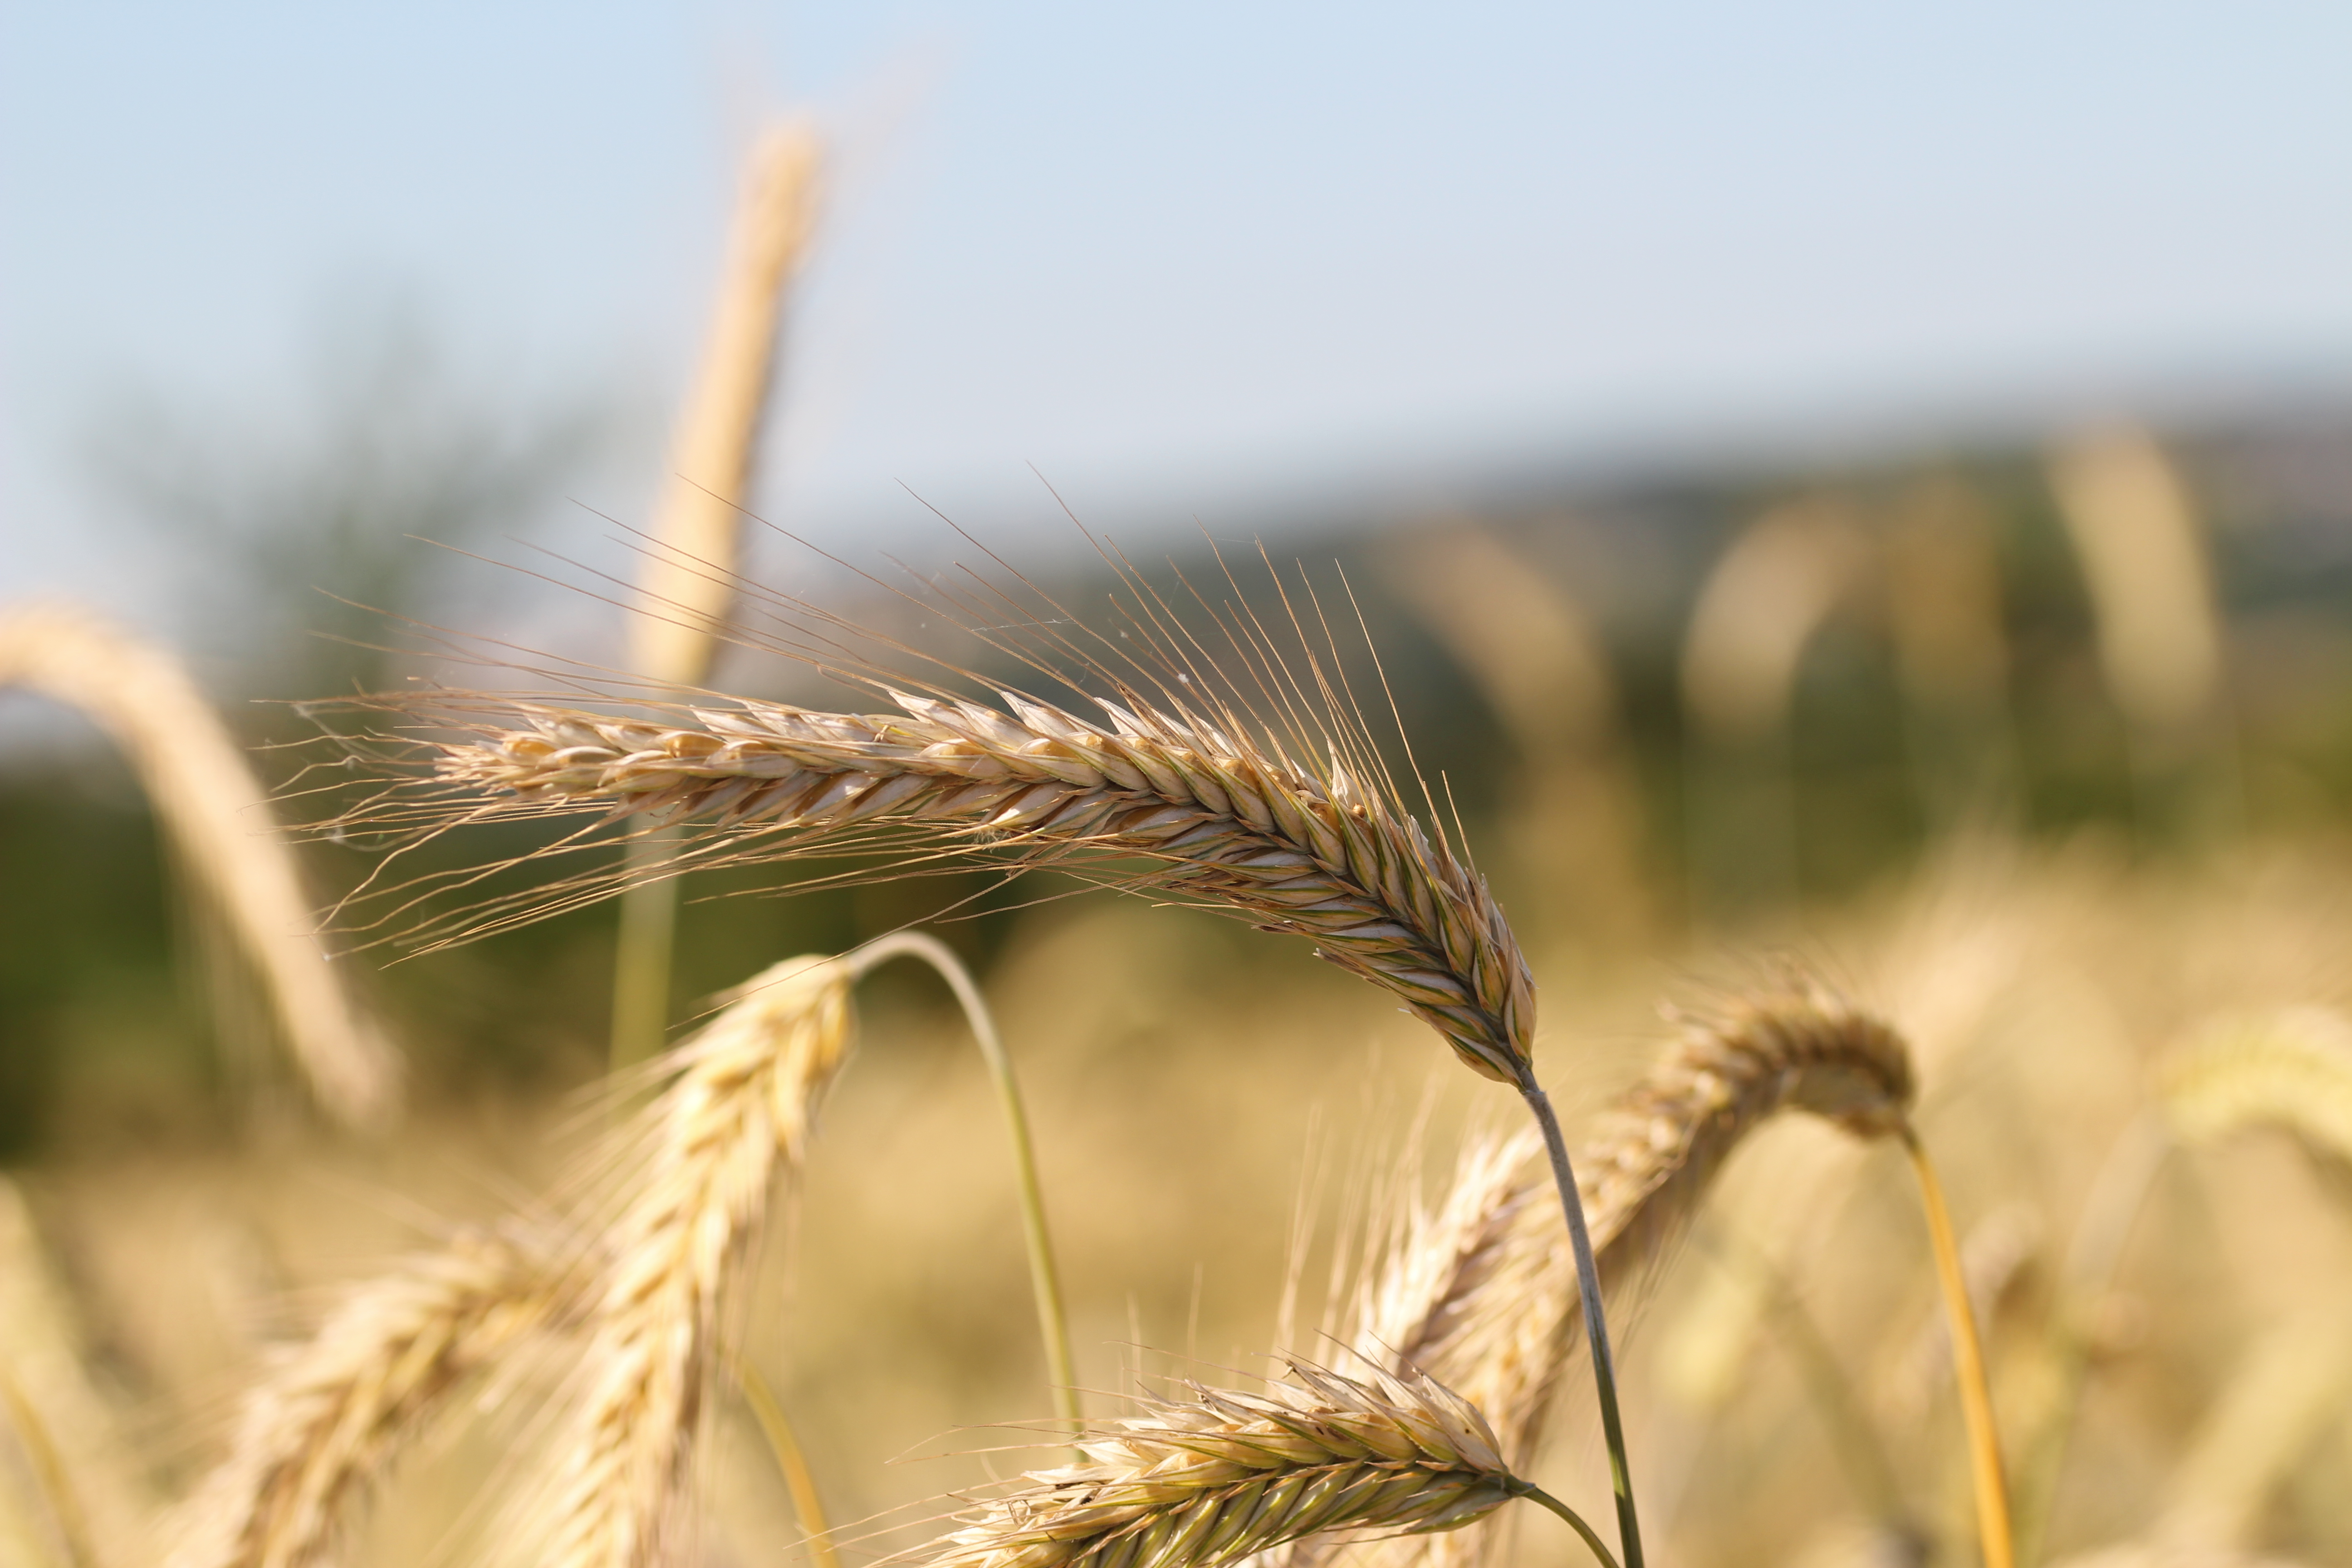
[641, 957]
[793, 1463]
[1596, 1326]
[1575, 1520]
[1053, 1326]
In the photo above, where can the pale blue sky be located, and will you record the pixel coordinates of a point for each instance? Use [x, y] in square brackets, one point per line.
[1183, 259]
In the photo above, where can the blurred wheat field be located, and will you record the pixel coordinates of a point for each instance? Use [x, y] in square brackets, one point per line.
[2005, 756]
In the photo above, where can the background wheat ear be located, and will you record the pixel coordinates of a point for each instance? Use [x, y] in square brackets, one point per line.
[2291, 1068]
[689, 1192]
[330, 1416]
[1226, 1475]
[1480, 1293]
[217, 816]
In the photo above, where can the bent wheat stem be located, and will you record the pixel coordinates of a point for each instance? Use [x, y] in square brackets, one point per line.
[808, 1507]
[1585, 1533]
[1596, 1326]
[1968, 1364]
[1045, 1281]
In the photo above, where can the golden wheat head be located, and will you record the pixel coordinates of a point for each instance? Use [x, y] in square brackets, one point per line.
[1159, 800]
[1226, 1475]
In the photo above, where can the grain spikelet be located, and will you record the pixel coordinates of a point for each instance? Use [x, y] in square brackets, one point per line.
[1226, 1475]
[210, 803]
[1214, 817]
[746, 1086]
[321, 1426]
[2290, 1070]
[1483, 1294]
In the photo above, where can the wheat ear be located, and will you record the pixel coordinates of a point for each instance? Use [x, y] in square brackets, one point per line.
[324, 1422]
[742, 1099]
[1210, 816]
[213, 807]
[2290, 1070]
[1227, 1475]
[1479, 1293]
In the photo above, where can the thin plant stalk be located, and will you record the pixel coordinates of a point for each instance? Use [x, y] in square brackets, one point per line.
[641, 956]
[1967, 1366]
[50, 1470]
[1045, 1280]
[791, 1462]
[1596, 1325]
[1585, 1533]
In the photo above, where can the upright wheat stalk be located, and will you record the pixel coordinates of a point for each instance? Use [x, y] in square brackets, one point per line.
[215, 812]
[688, 577]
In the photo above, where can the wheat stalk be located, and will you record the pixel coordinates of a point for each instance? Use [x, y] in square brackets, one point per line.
[213, 807]
[313, 1431]
[688, 576]
[1227, 1475]
[746, 1088]
[1215, 817]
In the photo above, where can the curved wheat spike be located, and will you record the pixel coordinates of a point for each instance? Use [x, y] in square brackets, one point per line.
[1227, 1475]
[1482, 1294]
[1159, 800]
[686, 1214]
[213, 809]
[2290, 1070]
[330, 1417]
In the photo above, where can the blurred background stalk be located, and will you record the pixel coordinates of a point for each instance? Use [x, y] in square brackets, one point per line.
[685, 583]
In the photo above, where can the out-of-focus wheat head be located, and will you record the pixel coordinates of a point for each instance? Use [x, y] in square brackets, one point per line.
[2143, 558]
[688, 582]
[1528, 648]
[1229, 1474]
[2291, 1069]
[215, 812]
[1761, 605]
[1481, 1294]
[687, 1208]
[85, 1498]
[318, 1426]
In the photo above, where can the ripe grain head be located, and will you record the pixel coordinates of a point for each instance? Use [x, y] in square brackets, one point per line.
[1159, 800]
[328, 1419]
[1225, 1475]
[691, 1203]
[1482, 1293]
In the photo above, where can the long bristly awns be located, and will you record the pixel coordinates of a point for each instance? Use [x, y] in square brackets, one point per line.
[1225, 1474]
[1160, 801]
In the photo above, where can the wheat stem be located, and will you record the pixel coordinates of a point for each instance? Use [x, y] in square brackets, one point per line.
[791, 1462]
[1045, 1280]
[1596, 1326]
[1968, 1364]
[640, 955]
[49, 1469]
[1575, 1521]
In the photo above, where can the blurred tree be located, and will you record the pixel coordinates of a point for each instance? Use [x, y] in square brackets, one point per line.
[305, 537]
